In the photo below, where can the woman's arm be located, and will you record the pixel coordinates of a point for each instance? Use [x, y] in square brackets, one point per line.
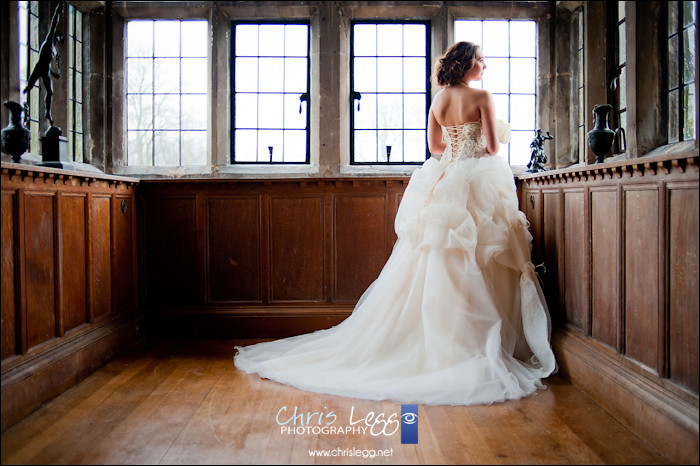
[488, 120]
[435, 143]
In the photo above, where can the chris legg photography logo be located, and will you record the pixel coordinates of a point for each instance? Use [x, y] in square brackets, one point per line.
[298, 422]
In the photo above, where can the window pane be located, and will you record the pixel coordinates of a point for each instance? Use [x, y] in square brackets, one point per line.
[365, 39]
[140, 112]
[194, 112]
[166, 75]
[673, 111]
[270, 143]
[270, 109]
[366, 117]
[139, 74]
[139, 39]
[389, 111]
[194, 75]
[623, 88]
[271, 40]
[247, 39]
[167, 39]
[295, 75]
[688, 13]
[295, 146]
[245, 145]
[139, 147]
[389, 39]
[689, 112]
[414, 75]
[246, 111]
[622, 45]
[389, 74]
[293, 119]
[414, 39]
[522, 114]
[271, 75]
[523, 75]
[495, 42]
[416, 146]
[365, 146]
[246, 74]
[523, 36]
[296, 40]
[689, 55]
[365, 75]
[470, 31]
[673, 62]
[167, 112]
[195, 42]
[415, 113]
[390, 146]
[501, 102]
[194, 147]
[672, 17]
[496, 75]
[166, 145]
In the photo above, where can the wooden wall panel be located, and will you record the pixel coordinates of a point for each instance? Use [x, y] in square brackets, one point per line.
[296, 249]
[605, 267]
[8, 342]
[360, 243]
[39, 272]
[683, 285]
[171, 244]
[550, 242]
[234, 250]
[533, 213]
[123, 267]
[101, 302]
[575, 267]
[642, 275]
[72, 253]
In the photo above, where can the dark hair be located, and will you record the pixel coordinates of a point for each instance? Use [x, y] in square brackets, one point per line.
[452, 66]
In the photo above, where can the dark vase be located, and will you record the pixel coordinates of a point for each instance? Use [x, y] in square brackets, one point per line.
[15, 137]
[601, 137]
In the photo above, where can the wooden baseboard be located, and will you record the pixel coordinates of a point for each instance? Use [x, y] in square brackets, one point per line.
[244, 322]
[660, 417]
[30, 380]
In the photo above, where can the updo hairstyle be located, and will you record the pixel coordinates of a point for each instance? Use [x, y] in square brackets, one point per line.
[452, 66]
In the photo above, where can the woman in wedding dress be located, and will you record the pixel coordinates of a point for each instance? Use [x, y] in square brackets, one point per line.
[457, 316]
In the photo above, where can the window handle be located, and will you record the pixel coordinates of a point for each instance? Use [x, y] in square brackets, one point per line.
[357, 96]
[303, 98]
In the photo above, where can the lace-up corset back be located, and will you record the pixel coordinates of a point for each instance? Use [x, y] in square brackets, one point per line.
[463, 141]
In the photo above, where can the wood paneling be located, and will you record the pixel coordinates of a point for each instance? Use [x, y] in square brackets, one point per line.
[72, 253]
[8, 342]
[638, 357]
[575, 267]
[234, 249]
[605, 267]
[683, 285]
[550, 241]
[171, 245]
[101, 256]
[642, 275]
[58, 248]
[360, 244]
[296, 249]
[123, 262]
[39, 274]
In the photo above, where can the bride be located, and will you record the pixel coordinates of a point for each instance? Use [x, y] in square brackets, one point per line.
[457, 316]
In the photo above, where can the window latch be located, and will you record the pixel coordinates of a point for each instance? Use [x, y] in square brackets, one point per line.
[357, 96]
[303, 98]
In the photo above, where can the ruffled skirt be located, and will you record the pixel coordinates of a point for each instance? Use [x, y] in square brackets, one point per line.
[456, 316]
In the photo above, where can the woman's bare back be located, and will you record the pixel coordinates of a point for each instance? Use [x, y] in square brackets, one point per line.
[456, 105]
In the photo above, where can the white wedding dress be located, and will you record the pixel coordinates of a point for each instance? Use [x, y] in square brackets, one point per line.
[456, 317]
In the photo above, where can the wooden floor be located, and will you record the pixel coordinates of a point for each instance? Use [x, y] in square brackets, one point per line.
[173, 402]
